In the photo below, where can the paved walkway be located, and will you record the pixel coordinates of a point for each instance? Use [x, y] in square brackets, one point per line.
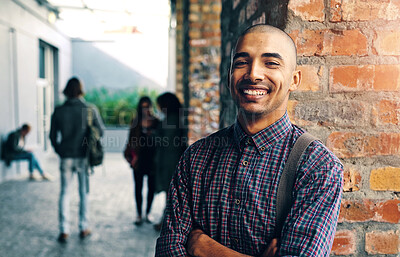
[29, 223]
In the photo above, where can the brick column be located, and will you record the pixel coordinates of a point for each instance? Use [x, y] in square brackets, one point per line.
[198, 63]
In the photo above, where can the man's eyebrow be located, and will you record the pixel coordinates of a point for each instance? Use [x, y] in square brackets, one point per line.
[245, 54]
[240, 54]
[275, 55]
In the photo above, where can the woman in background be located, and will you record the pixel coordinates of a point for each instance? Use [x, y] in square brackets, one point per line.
[140, 153]
[172, 132]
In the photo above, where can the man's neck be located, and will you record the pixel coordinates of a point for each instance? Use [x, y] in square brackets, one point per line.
[252, 124]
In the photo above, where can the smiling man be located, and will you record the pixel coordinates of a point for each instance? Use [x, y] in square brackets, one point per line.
[222, 199]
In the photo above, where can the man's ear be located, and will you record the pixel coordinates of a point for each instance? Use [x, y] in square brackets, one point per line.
[296, 79]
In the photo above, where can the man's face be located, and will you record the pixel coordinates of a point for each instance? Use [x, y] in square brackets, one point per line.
[25, 132]
[262, 75]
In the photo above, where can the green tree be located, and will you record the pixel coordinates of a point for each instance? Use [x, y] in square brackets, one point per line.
[118, 107]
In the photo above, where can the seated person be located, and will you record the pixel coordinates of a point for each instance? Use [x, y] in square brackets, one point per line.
[14, 151]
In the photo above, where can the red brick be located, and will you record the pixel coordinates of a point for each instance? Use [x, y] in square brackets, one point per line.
[365, 78]
[387, 78]
[309, 42]
[387, 42]
[388, 112]
[311, 10]
[350, 144]
[365, 10]
[309, 78]
[336, 10]
[348, 42]
[330, 42]
[382, 242]
[194, 8]
[344, 243]
[357, 211]
[209, 34]
[194, 17]
[217, 7]
[388, 211]
[370, 210]
[351, 180]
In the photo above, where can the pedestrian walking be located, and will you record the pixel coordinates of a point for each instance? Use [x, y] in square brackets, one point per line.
[69, 126]
[140, 152]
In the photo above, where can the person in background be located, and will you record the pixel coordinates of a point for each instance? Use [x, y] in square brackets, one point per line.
[140, 152]
[14, 151]
[69, 126]
[173, 138]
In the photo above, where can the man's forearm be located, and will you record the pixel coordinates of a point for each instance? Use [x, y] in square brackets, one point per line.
[201, 245]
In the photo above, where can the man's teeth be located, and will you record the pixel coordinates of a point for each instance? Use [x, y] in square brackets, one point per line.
[253, 92]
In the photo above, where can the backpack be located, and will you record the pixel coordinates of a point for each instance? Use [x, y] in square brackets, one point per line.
[94, 151]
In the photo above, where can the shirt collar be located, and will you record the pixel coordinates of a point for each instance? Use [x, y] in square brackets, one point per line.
[264, 138]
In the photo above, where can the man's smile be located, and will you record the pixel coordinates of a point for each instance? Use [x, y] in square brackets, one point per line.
[254, 92]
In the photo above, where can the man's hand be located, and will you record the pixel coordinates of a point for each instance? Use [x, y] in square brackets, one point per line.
[194, 242]
[200, 244]
[272, 249]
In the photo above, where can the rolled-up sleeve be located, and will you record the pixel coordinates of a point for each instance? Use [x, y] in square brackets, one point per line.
[311, 226]
[177, 222]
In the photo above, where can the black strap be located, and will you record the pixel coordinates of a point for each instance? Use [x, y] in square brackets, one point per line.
[286, 183]
[90, 123]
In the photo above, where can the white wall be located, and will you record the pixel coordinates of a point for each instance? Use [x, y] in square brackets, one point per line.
[22, 24]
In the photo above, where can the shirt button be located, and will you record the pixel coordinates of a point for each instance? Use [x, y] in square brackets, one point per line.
[262, 148]
[236, 241]
[245, 163]
[248, 141]
[237, 201]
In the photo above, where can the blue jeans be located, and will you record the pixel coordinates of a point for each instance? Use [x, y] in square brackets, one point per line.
[68, 167]
[30, 157]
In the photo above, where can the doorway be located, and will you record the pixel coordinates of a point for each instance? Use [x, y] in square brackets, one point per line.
[48, 63]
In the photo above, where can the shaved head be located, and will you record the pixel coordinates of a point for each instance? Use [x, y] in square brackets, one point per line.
[263, 28]
[262, 75]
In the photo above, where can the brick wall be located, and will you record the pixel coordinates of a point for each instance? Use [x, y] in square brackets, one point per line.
[349, 53]
[198, 61]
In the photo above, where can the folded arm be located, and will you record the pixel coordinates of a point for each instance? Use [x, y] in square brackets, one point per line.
[311, 227]
[177, 222]
[200, 244]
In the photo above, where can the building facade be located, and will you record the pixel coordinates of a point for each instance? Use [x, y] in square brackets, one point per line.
[35, 62]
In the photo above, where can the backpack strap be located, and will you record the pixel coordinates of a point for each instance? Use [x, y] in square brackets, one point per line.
[286, 183]
[89, 116]
[90, 124]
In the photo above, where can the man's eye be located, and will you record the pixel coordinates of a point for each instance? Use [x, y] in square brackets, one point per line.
[272, 64]
[240, 63]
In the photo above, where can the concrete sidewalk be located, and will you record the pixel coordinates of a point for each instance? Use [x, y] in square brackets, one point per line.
[29, 215]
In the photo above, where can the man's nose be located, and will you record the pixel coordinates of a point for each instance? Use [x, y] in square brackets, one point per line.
[255, 72]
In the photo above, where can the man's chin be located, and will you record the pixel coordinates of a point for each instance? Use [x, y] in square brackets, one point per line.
[251, 112]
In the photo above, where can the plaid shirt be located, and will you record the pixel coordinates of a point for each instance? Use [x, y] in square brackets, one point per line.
[226, 184]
